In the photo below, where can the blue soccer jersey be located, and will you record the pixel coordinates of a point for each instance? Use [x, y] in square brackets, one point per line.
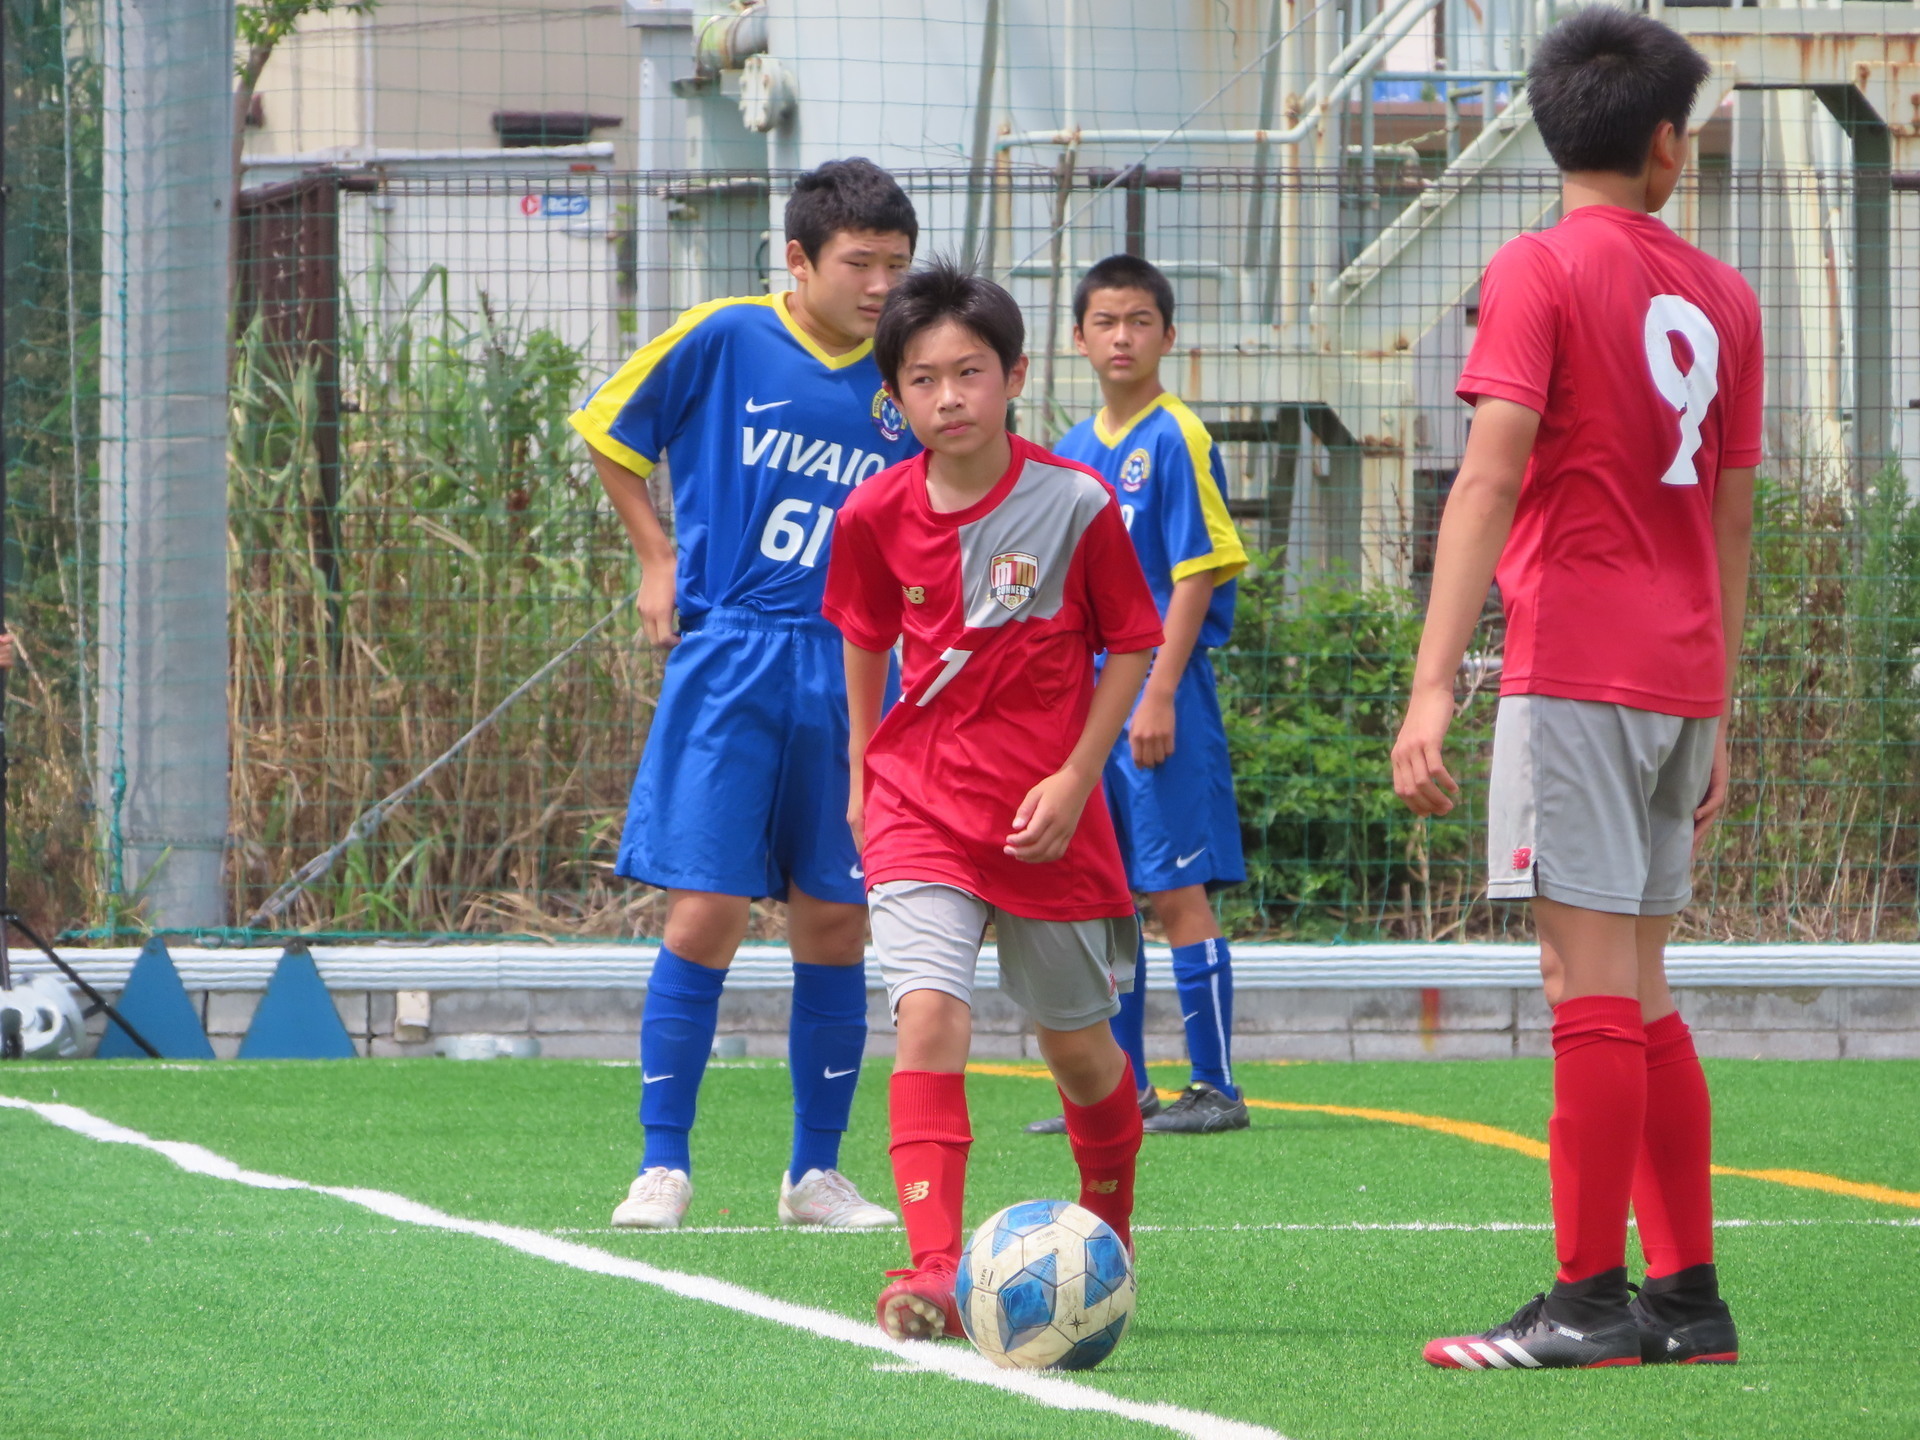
[1173, 496]
[765, 435]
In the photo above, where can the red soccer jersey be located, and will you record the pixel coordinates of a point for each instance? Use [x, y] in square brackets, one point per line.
[1642, 356]
[1002, 606]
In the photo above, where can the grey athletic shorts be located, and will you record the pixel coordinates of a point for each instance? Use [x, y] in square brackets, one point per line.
[1064, 973]
[1592, 804]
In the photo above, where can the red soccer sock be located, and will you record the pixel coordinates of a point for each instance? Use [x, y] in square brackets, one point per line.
[1106, 1143]
[1673, 1182]
[927, 1110]
[1599, 1106]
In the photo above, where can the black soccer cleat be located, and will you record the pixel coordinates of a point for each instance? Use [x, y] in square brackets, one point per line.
[1057, 1124]
[1683, 1321]
[1582, 1326]
[1200, 1110]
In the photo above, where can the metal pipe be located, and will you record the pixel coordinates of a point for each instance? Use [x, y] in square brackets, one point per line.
[982, 129]
[1406, 13]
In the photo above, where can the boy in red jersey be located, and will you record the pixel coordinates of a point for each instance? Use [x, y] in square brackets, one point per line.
[1608, 484]
[1005, 569]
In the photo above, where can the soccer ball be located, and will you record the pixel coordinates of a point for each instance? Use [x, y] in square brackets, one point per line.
[1045, 1285]
[44, 1014]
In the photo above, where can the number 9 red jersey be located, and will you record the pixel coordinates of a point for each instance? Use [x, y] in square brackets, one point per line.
[1642, 356]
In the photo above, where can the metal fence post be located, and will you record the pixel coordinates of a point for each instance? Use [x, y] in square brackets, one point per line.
[163, 749]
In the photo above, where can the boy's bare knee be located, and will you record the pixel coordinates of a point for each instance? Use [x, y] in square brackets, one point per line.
[704, 927]
[1186, 915]
[1086, 1063]
[823, 932]
[935, 1031]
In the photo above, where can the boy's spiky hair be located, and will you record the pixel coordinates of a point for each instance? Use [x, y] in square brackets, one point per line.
[1124, 272]
[946, 290]
[1601, 82]
[851, 194]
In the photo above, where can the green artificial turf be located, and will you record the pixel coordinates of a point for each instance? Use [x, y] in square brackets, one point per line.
[139, 1300]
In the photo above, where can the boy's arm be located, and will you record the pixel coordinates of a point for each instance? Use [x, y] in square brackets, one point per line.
[658, 563]
[1473, 531]
[866, 694]
[1733, 542]
[1044, 824]
[1151, 732]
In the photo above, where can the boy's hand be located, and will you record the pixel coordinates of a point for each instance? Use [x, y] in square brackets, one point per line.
[1044, 824]
[1716, 798]
[1420, 777]
[1151, 730]
[857, 818]
[656, 606]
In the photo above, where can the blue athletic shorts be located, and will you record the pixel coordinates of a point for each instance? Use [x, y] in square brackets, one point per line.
[1177, 822]
[742, 786]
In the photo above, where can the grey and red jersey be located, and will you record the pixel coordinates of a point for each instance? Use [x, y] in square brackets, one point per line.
[1001, 607]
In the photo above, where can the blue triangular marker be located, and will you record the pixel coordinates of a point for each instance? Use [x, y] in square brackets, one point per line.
[158, 1006]
[296, 1019]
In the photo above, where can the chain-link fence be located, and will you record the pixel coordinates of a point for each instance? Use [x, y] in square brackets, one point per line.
[412, 528]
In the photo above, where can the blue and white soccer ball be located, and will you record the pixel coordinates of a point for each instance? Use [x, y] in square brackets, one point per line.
[1045, 1285]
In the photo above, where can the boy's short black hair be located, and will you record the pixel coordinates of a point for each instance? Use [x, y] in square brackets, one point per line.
[946, 290]
[851, 194]
[1123, 272]
[1601, 82]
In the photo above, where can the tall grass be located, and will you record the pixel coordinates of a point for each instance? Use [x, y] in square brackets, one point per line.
[1821, 839]
[474, 544]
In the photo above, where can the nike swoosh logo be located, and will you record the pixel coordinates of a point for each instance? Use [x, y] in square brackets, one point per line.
[646, 1079]
[1180, 862]
[1185, 1018]
[857, 873]
[753, 409]
[840, 1074]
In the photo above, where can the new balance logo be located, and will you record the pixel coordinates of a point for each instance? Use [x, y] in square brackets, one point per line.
[915, 1190]
[840, 1074]
[1103, 1187]
[647, 1079]
[1180, 862]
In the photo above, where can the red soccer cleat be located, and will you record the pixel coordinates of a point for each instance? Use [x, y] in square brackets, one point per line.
[918, 1305]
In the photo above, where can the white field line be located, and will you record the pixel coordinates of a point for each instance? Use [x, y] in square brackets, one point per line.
[1404, 1226]
[950, 1360]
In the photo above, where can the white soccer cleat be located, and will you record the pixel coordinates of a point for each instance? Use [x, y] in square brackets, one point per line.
[827, 1198]
[657, 1200]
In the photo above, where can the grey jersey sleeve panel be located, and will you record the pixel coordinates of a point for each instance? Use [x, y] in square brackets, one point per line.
[1014, 559]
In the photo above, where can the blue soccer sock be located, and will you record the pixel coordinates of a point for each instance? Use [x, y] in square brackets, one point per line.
[1130, 1025]
[825, 1040]
[1203, 974]
[676, 1037]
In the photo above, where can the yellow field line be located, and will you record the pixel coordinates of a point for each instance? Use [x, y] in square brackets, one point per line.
[1508, 1140]
[1832, 1184]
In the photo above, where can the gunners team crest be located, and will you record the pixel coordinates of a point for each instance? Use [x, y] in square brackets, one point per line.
[887, 418]
[1136, 472]
[1013, 578]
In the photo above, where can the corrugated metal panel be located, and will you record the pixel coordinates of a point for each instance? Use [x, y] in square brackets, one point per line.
[768, 967]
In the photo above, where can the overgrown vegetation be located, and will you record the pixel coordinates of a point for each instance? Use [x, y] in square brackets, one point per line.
[1822, 833]
[51, 409]
[475, 545]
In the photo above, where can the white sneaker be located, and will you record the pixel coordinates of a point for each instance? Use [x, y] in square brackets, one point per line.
[827, 1198]
[657, 1200]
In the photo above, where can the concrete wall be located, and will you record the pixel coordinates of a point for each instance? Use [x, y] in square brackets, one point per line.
[1812, 1023]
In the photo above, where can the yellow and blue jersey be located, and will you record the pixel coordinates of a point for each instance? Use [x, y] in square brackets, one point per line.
[1173, 496]
[765, 433]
